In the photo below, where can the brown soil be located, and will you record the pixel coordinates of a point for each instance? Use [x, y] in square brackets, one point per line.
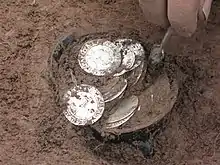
[64, 71]
[32, 131]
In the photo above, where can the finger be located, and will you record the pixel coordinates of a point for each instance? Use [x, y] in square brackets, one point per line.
[155, 11]
[183, 15]
[206, 7]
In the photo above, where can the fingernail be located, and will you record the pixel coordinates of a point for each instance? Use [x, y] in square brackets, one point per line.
[206, 8]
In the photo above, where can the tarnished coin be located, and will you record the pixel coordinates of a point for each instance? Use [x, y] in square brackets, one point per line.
[118, 123]
[132, 55]
[136, 64]
[99, 57]
[124, 109]
[135, 75]
[137, 48]
[128, 55]
[123, 71]
[128, 59]
[122, 42]
[132, 52]
[139, 55]
[85, 105]
[114, 88]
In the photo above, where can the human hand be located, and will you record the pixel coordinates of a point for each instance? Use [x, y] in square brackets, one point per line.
[181, 15]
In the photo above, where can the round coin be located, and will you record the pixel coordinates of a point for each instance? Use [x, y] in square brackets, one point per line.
[132, 55]
[85, 105]
[119, 123]
[99, 57]
[114, 89]
[126, 107]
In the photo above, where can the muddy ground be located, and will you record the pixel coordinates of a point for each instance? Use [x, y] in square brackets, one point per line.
[33, 132]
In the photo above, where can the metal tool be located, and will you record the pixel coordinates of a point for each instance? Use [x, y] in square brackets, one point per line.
[157, 52]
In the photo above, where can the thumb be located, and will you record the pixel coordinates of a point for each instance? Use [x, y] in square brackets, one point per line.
[205, 8]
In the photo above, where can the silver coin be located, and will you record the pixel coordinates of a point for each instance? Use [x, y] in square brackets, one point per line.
[128, 55]
[122, 121]
[124, 109]
[118, 123]
[136, 64]
[123, 71]
[99, 57]
[138, 49]
[121, 42]
[85, 105]
[114, 88]
[135, 75]
[132, 55]
[128, 59]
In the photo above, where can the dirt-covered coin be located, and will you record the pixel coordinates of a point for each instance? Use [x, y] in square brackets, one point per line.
[85, 105]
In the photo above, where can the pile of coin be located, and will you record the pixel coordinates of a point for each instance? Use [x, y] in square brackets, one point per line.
[101, 57]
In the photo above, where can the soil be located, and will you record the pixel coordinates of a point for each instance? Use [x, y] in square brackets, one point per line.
[32, 131]
[64, 73]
